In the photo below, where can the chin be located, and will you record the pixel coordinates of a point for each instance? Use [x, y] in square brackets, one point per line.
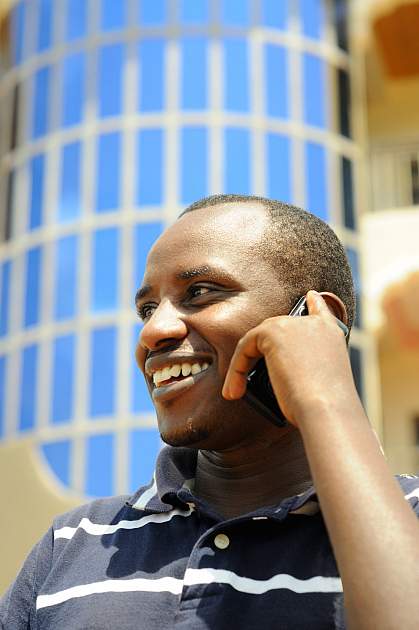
[185, 436]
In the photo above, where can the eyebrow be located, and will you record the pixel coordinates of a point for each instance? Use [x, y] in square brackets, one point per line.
[195, 272]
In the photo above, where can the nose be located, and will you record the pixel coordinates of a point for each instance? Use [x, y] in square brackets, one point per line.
[165, 327]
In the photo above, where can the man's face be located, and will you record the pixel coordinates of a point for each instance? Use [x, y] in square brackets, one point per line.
[204, 287]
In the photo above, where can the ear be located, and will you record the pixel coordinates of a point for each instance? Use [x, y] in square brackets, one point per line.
[335, 306]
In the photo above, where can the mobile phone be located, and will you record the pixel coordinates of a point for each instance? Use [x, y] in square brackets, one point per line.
[260, 394]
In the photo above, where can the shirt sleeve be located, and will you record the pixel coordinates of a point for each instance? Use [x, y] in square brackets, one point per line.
[18, 604]
[410, 488]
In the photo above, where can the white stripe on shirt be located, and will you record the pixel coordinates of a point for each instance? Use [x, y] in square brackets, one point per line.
[413, 494]
[172, 585]
[193, 577]
[145, 497]
[96, 529]
[317, 584]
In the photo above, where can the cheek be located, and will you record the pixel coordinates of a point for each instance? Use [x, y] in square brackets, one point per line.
[222, 331]
[140, 355]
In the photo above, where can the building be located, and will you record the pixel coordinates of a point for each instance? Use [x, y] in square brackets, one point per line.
[114, 116]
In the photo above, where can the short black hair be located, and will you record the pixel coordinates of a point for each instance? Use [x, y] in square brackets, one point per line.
[303, 250]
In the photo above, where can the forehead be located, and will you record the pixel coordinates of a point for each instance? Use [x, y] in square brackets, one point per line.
[225, 232]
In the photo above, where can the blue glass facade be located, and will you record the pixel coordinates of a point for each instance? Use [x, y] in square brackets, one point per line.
[123, 124]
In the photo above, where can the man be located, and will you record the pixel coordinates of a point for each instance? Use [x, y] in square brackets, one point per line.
[231, 533]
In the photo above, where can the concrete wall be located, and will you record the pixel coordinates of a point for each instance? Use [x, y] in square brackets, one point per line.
[400, 394]
[25, 486]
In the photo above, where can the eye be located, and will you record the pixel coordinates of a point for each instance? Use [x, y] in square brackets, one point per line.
[199, 290]
[145, 311]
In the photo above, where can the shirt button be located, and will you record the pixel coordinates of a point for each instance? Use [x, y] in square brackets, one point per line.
[221, 541]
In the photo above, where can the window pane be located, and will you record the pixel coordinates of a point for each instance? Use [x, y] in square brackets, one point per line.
[45, 8]
[312, 17]
[144, 236]
[152, 12]
[28, 387]
[76, 19]
[144, 447]
[278, 184]
[17, 31]
[57, 455]
[3, 361]
[235, 12]
[103, 372]
[112, 15]
[69, 202]
[237, 161]
[15, 126]
[100, 465]
[108, 173]
[110, 80]
[194, 156]
[10, 204]
[150, 167]
[40, 103]
[236, 75]
[276, 81]
[151, 84]
[347, 193]
[344, 102]
[194, 73]
[314, 90]
[140, 397]
[340, 9]
[5, 297]
[316, 183]
[356, 363]
[66, 277]
[33, 280]
[274, 13]
[353, 258]
[37, 167]
[104, 290]
[193, 11]
[63, 379]
[73, 89]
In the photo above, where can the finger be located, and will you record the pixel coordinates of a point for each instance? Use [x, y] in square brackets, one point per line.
[317, 305]
[245, 356]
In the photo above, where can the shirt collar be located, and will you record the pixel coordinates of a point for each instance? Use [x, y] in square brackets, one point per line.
[174, 474]
[173, 482]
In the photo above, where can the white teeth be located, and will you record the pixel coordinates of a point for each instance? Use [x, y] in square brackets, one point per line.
[186, 369]
[165, 374]
[176, 370]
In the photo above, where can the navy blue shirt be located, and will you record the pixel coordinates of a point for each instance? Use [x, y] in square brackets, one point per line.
[164, 559]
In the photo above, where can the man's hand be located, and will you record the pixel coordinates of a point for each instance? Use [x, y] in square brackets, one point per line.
[373, 531]
[306, 357]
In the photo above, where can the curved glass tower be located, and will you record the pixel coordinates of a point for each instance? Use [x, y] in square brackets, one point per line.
[114, 116]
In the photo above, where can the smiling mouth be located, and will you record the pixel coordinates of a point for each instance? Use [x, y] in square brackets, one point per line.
[177, 372]
[174, 386]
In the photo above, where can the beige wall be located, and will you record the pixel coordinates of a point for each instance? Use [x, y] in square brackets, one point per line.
[390, 254]
[399, 370]
[29, 500]
[393, 112]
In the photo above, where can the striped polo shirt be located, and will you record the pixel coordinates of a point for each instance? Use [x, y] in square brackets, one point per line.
[164, 559]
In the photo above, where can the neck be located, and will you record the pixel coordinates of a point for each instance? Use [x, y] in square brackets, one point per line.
[256, 475]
